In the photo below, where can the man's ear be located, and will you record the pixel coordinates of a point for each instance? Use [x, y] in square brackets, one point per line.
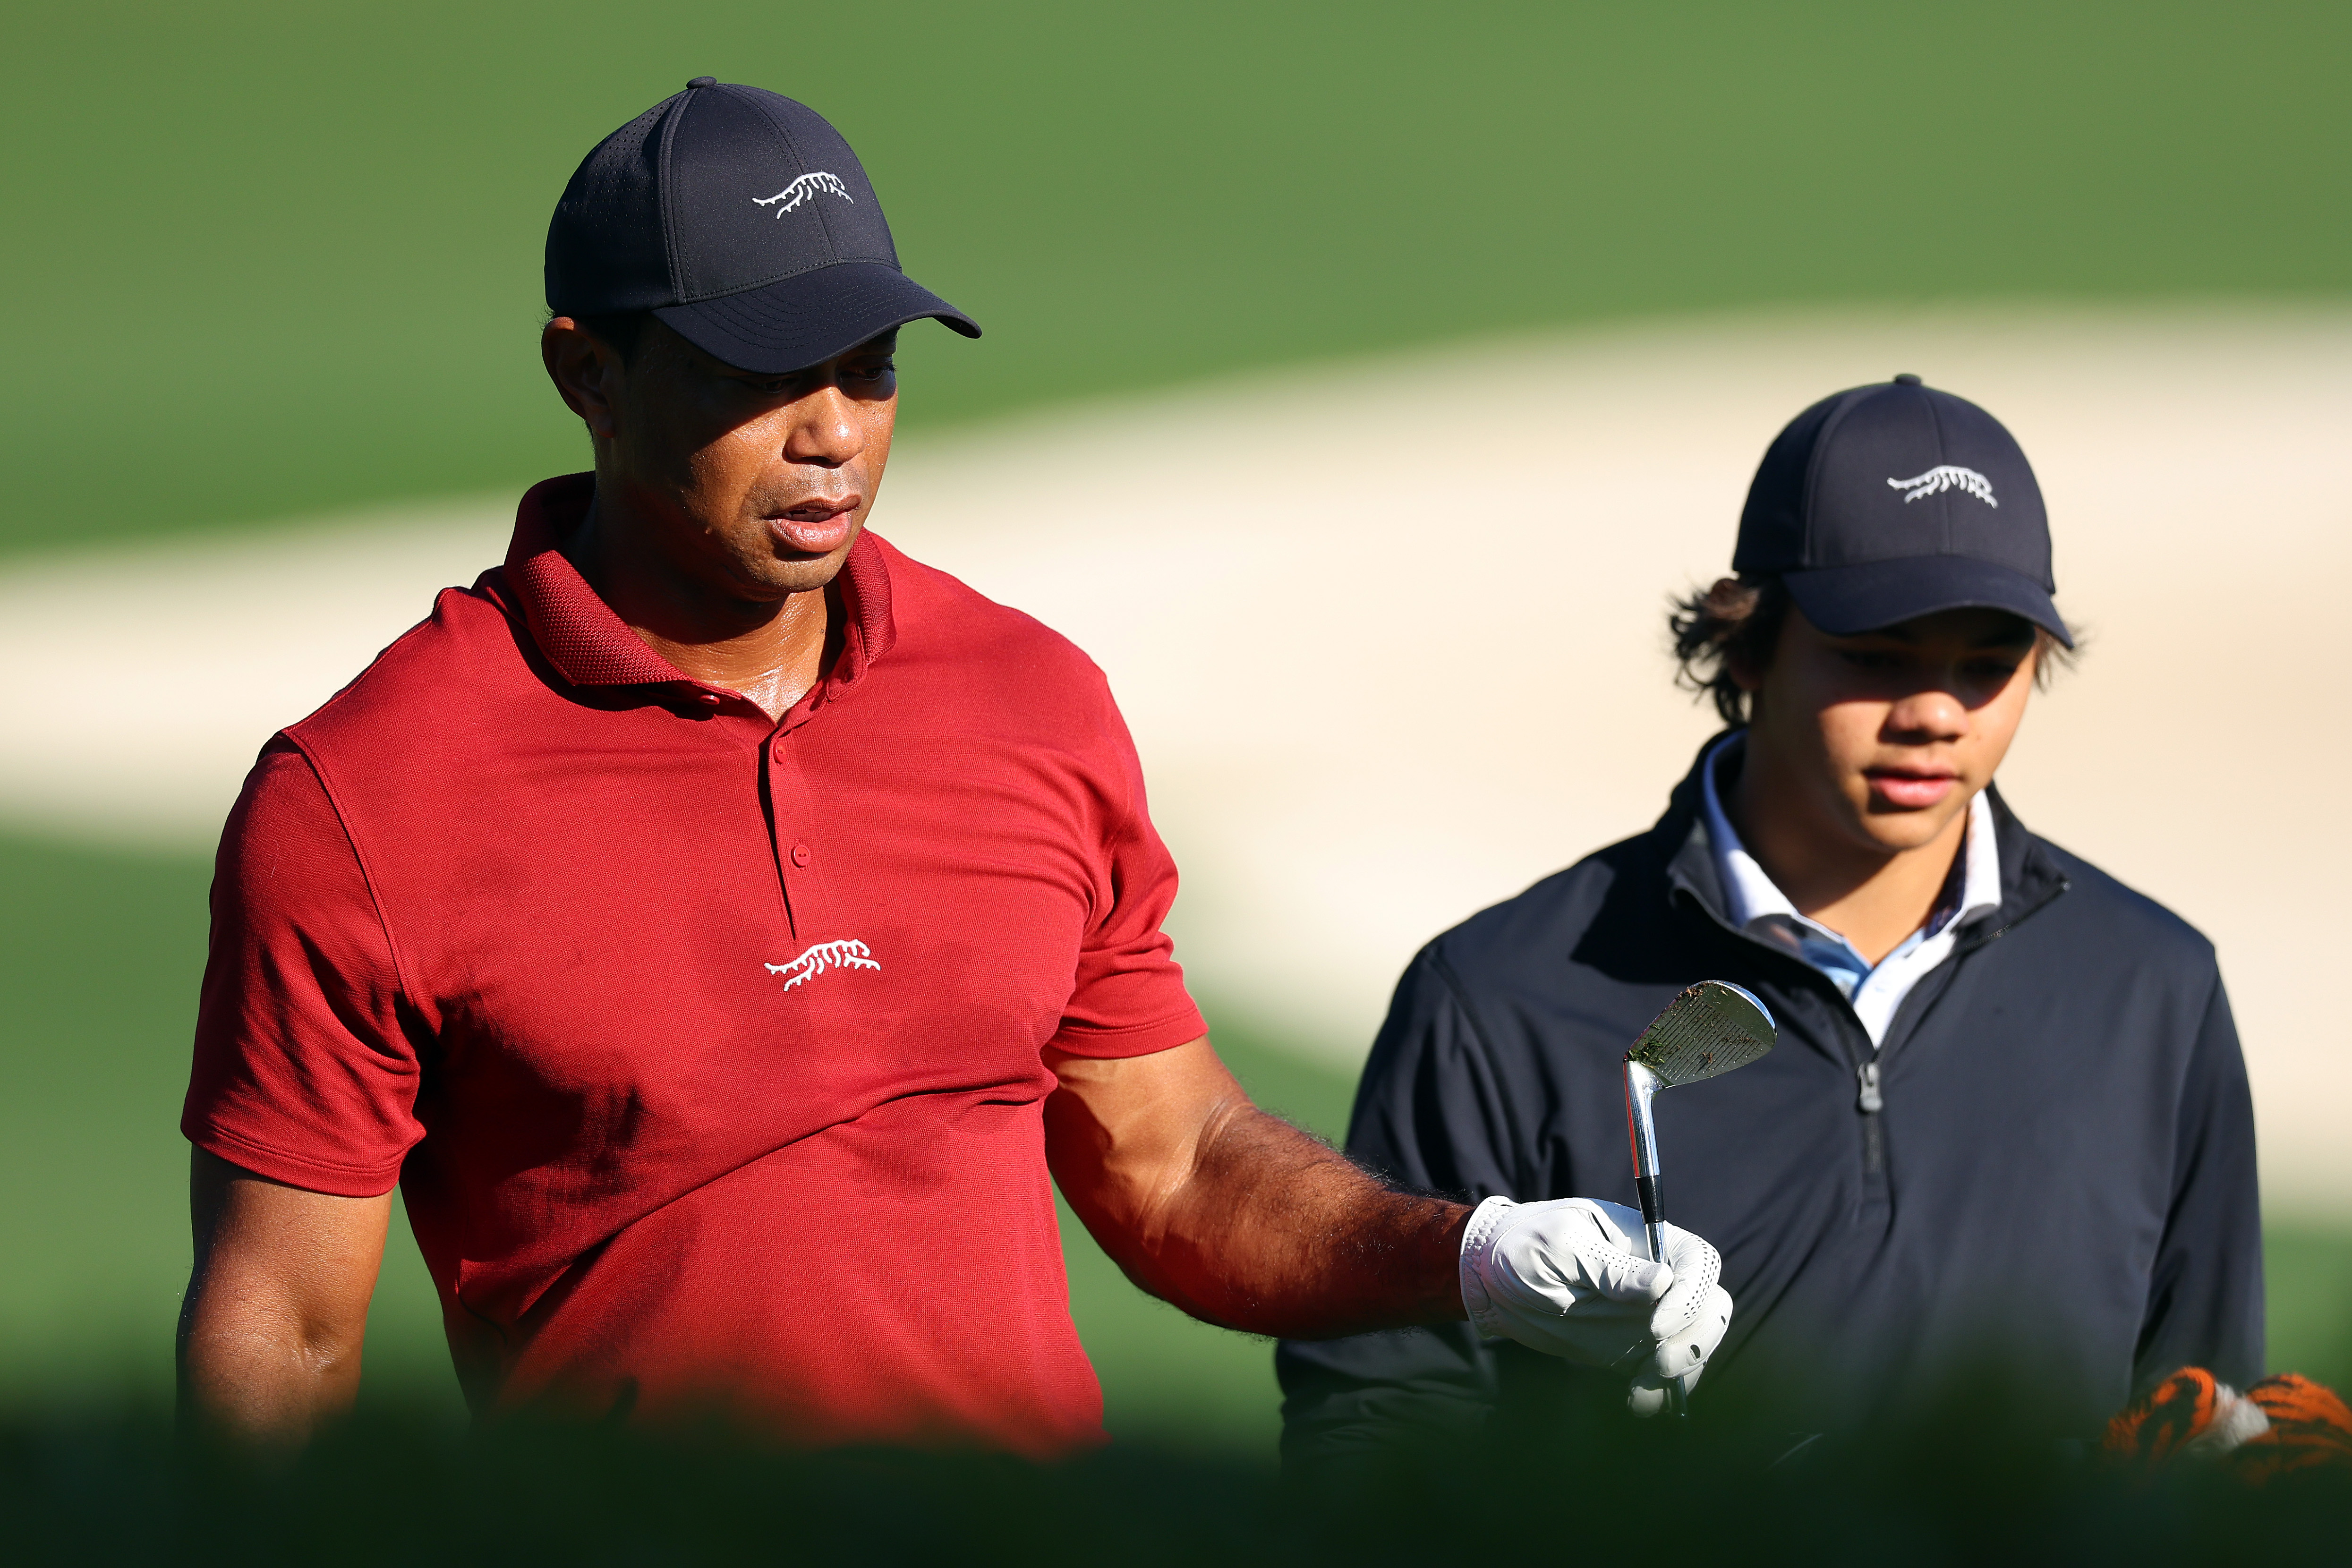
[587, 372]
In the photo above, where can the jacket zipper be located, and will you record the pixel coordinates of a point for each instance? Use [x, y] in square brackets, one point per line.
[1870, 1103]
[1867, 1098]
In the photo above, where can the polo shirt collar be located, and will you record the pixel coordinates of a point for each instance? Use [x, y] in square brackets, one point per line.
[590, 646]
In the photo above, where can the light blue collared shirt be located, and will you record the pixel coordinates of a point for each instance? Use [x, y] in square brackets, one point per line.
[1753, 904]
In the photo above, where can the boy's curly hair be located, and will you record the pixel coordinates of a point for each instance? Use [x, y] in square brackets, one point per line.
[1736, 621]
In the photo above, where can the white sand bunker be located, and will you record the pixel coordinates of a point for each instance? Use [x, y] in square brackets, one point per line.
[1391, 637]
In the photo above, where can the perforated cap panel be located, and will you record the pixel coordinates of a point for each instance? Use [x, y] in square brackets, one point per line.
[605, 250]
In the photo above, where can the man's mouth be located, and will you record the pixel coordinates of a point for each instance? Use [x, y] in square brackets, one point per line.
[1911, 788]
[815, 526]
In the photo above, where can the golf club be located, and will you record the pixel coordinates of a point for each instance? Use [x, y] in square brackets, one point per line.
[1709, 1029]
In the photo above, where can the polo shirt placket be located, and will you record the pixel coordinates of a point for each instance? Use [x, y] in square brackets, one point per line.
[794, 824]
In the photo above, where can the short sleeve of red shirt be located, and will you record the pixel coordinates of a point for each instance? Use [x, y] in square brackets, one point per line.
[302, 1072]
[1130, 999]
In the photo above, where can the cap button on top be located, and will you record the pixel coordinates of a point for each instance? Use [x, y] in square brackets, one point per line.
[1906, 379]
[703, 81]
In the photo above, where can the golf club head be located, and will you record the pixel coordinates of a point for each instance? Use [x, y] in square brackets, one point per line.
[1705, 1032]
[1709, 1029]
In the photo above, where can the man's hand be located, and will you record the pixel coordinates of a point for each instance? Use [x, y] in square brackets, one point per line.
[1567, 1278]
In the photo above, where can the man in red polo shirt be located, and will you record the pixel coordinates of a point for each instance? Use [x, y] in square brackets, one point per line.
[723, 929]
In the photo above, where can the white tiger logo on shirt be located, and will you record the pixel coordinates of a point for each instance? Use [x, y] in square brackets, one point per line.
[822, 956]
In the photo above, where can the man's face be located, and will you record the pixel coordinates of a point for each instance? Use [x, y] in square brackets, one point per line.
[1889, 735]
[753, 485]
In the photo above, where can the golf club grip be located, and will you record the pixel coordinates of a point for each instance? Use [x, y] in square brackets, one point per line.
[1654, 1217]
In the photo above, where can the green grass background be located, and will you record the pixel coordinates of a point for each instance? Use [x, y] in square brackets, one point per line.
[274, 257]
[270, 259]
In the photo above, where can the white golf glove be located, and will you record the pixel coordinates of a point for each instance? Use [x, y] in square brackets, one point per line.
[1567, 1278]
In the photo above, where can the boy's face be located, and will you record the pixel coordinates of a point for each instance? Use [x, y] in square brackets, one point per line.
[1886, 737]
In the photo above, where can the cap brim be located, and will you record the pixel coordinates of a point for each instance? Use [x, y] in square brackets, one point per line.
[1845, 600]
[808, 318]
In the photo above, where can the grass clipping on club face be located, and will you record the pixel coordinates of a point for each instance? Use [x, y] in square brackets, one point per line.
[1708, 1031]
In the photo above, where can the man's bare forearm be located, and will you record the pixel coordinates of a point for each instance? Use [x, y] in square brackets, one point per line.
[1277, 1232]
[271, 1329]
[1237, 1216]
[259, 1374]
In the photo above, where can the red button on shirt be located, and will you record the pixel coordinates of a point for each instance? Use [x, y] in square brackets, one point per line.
[678, 1126]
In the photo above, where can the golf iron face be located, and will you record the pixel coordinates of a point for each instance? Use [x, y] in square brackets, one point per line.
[1705, 1032]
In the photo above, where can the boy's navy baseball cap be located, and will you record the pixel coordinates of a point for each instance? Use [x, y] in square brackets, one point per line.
[744, 222]
[1896, 500]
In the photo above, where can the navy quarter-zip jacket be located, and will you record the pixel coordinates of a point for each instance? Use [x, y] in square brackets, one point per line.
[2059, 1174]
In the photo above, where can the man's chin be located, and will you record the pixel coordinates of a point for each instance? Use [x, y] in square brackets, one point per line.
[789, 571]
[782, 578]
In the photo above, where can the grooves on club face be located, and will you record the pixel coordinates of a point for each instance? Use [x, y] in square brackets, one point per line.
[1708, 1031]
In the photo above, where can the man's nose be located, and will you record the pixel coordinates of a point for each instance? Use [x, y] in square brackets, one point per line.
[824, 430]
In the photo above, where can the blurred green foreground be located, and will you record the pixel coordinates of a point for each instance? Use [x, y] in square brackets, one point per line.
[99, 957]
[1959, 1490]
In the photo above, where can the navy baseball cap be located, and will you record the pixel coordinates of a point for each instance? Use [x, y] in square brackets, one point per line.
[1895, 501]
[743, 221]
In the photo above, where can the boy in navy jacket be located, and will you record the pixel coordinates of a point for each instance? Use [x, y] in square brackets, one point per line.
[2007, 1123]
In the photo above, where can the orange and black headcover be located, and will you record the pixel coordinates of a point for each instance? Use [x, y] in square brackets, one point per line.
[2280, 1424]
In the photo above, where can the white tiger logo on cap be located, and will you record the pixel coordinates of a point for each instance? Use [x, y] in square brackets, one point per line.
[804, 188]
[1946, 477]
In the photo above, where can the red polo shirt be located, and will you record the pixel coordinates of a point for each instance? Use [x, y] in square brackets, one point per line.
[704, 1048]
